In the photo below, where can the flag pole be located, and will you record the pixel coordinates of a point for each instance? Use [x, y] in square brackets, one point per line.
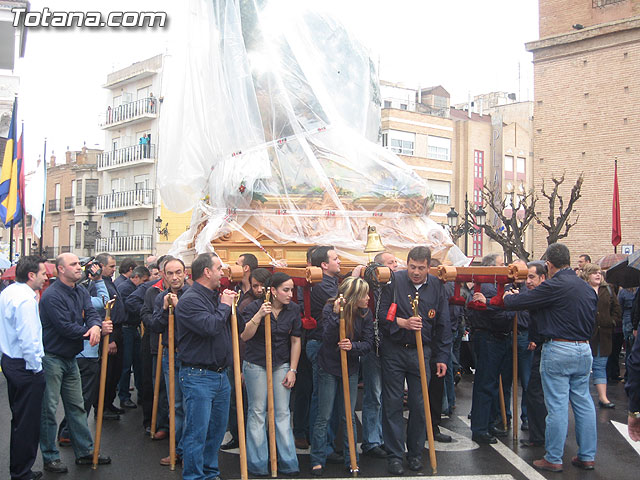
[44, 159]
[11, 244]
[22, 200]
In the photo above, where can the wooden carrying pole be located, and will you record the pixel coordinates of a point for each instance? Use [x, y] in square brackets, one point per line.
[172, 390]
[103, 384]
[515, 378]
[347, 394]
[156, 388]
[273, 452]
[237, 376]
[503, 409]
[425, 388]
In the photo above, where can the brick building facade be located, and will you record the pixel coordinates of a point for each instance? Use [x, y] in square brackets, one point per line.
[587, 104]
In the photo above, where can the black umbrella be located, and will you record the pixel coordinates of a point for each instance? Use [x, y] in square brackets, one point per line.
[625, 273]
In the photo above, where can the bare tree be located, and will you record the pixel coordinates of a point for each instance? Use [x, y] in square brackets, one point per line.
[509, 232]
[558, 225]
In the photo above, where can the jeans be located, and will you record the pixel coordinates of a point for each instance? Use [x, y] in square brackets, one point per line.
[565, 368]
[599, 366]
[303, 390]
[330, 391]
[491, 353]
[179, 406]
[449, 397]
[63, 380]
[206, 405]
[255, 378]
[90, 381]
[525, 357]
[371, 402]
[313, 347]
[131, 357]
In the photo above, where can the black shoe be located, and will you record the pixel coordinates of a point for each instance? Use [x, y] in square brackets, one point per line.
[335, 457]
[375, 452]
[56, 467]
[230, 445]
[36, 475]
[525, 426]
[415, 464]
[108, 415]
[484, 438]
[498, 432]
[530, 444]
[441, 437]
[394, 467]
[317, 472]
[113, 408]
[127, 403]
[88, 460]
[606, 405]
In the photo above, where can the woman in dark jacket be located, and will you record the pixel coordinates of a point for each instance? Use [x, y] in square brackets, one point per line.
[358, 342]
[286, 328]
[608, 316]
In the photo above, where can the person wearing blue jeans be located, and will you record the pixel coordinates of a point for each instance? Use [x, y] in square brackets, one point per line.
[132, 358]
[358, 341]
[525, 358]
[565, 313]
[286, 329]
[372, 440]
[204, 350]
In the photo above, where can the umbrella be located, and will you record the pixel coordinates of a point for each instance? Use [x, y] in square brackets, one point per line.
[10, 274]
[609, 260]
[625, 273]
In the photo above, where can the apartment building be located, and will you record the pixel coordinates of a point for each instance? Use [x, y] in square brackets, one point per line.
[587, 114]
[72, 223]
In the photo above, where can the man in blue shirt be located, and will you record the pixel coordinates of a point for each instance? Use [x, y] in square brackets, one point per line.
[565, 313]
[67, 318]
[204, 348]
[399, 357]
[22, 352]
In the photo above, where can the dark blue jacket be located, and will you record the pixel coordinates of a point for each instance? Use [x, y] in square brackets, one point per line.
[126, 288]
[135, 301]
[288, 324]
[523, 315]
[493, 319]
[362, 342]
[320, 293]
[633, 381]
[565, 306]
[433, 308]
[160, 319]
[203, 331]
[61, 314]
[146, 313]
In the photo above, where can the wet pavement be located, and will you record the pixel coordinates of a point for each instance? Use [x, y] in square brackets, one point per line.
[136, 456]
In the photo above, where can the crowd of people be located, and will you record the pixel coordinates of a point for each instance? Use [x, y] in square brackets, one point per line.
[567, 325]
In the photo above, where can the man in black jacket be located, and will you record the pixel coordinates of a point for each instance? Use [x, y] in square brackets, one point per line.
[67, 318]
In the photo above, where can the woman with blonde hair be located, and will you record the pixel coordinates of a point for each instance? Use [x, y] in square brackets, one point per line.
[608, 315]
[358, 342]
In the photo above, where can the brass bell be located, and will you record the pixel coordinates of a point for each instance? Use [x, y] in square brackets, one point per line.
[374, 243]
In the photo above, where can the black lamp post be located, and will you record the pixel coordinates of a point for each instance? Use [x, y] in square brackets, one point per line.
[473, 222]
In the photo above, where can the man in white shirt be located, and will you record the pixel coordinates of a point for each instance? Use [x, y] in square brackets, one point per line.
[22, 352]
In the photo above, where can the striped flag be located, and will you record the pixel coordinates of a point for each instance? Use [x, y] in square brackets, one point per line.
[12, 176]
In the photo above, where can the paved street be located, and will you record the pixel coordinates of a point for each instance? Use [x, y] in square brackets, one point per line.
[135, 456]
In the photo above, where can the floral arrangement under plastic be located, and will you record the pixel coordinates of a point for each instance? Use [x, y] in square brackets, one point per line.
[271, 118]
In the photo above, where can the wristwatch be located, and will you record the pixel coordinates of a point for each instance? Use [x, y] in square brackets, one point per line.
[634, 414]
[294, 371]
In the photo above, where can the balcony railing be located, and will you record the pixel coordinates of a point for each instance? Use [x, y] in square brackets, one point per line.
[126, 200]
[69, 203]
[604, 3]
[123, 157]
[54, 205]
[143, 108]
[442, 199]
[130, 243]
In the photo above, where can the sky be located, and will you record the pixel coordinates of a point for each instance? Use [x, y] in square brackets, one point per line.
[467, 46]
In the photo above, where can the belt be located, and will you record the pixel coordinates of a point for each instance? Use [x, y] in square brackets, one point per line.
[569, 341]
[211, 368]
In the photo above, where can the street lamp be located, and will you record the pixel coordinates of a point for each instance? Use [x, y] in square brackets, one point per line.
[472, 224]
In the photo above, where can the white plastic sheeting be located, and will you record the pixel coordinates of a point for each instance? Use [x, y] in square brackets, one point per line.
[271, 117]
